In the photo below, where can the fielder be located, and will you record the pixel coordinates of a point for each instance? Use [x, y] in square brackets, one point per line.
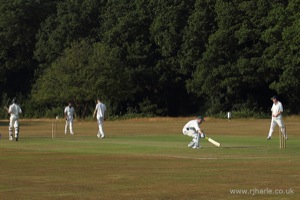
[14, 110]
[277, 110]
[69, 113]
[100, 110]
[192, 129]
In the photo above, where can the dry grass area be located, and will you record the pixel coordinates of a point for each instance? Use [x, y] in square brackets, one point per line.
[149, 159]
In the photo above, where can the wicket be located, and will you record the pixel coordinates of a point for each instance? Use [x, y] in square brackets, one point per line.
[282, 140]
[54, 128]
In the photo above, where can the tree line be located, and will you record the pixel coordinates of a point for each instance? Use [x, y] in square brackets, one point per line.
[150, 57]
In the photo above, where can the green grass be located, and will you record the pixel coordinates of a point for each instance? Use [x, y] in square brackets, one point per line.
[149, 159]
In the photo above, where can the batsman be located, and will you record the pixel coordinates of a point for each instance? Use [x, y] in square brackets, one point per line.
[192, 129]
[14, 110]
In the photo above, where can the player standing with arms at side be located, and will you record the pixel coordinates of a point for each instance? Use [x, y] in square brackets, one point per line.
[277, 110]
[100, 110]
[69, 115]
[14, 110]
[192, 129]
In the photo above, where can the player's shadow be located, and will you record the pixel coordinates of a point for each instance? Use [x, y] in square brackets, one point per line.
[240, 147]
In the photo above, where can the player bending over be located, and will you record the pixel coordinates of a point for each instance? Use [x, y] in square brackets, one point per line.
[192, 129]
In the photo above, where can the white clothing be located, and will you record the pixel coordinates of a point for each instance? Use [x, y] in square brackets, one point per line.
[191, 129]
[100, 109]
[69, 123]
[193, 125]
[14, 111]
[69, 112]
[100, 127]
[276, 108]
[280, 123]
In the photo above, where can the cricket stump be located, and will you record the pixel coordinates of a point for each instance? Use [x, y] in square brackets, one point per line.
[54, 129]
[282, 140]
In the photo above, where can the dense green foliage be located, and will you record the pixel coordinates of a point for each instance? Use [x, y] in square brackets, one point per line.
[150, 57]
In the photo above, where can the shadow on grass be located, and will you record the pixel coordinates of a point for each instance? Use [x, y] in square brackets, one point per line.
[241, 147]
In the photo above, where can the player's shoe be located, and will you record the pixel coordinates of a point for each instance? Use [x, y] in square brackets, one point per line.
[10, 138]
[268, 138]
[98, 136]
[102, 136]
[17, 139]
[191, 144]
[196, 147]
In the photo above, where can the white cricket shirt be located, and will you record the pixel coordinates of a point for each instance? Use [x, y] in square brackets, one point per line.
[101, 108]
[14, 110]
[276, 108]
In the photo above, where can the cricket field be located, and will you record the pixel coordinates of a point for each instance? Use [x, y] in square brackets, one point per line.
[149, 159]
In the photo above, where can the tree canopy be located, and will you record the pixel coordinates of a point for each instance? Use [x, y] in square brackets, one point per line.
[150, 57]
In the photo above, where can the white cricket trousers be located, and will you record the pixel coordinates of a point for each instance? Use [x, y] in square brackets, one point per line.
[100, 122]
[69, 122]
[13, 124]
[192, 133]
[274, 122]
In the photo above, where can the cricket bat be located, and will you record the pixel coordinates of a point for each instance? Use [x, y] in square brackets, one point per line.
[213, 141]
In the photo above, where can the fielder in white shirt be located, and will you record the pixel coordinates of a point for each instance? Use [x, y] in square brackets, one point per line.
[69, 115]
[100, 111]
[277, 110]
[192, 129]
[14, 110]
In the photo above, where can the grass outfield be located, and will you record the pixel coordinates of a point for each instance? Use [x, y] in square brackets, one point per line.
[149, 159]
